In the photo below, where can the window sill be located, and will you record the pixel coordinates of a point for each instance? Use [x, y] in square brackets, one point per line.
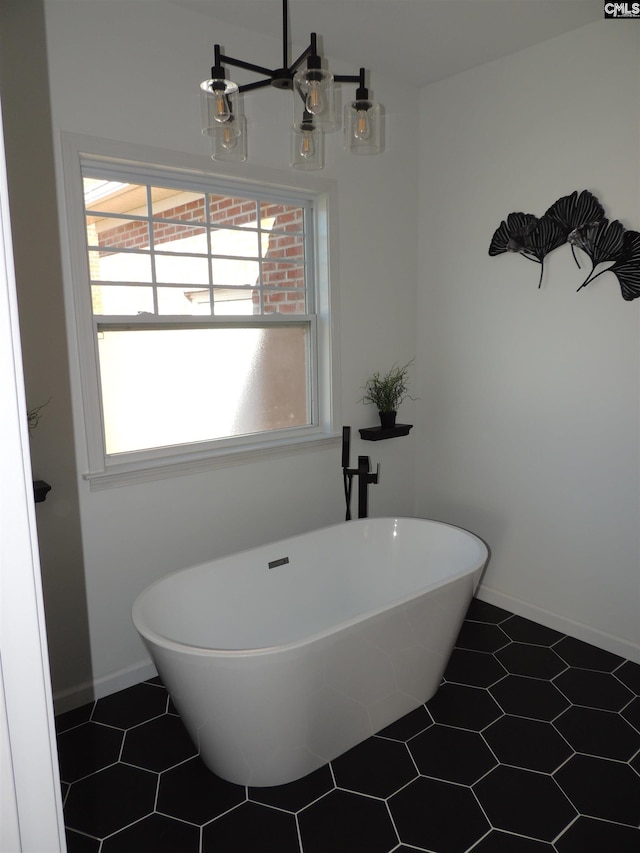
[161, 469]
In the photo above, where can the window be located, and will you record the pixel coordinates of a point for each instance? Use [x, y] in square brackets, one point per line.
[205, 327]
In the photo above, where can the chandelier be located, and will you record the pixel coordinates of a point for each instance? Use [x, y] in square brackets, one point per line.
[315, 109]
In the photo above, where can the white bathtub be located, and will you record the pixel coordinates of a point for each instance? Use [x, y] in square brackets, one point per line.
[283, 657]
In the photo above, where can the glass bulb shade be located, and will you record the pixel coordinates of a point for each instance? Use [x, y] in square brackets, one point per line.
[229, 141]
[315, 92]
[307, 147]
[219, 100]
[362, 127]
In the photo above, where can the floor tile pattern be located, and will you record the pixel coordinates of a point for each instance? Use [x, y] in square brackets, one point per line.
[531, 745]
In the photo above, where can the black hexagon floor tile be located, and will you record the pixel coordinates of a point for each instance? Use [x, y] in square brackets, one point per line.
[408, 726]
[453, 755]
[582, 655]
[600, 733]
[531, 744]
[529, 697]
[593, 689]
[71, 719]
[155, 832]
[587, 834]
[481, 637]
[482, 611]
[109, 800]
[601, 788]
[191, 792]
[434, 815]
[343, 822]
[504, 842]
[629, 675]
[525, 631]
[77, 843]
[524, 802]
[159, 744]
[487, 766]
[376, 766]
[632, 713]
[130, 707]
[404, 849]
[465, 707]
[476, 669]
[296, 795]
[87, 749]
[252, 827]
[532, 661]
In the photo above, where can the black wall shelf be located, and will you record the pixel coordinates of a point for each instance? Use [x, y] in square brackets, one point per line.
[40, 489]
[379, 433]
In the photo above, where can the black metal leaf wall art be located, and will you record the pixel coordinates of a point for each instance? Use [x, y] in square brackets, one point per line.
[531, 237]
[512, 234]
[602, 242]
[579, 220]
[627, 267]
[545, 237]
[573, 211]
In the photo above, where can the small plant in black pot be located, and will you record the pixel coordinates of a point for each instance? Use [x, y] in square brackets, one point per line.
[387, 392]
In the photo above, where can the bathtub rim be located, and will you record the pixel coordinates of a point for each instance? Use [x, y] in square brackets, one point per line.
[153, 637]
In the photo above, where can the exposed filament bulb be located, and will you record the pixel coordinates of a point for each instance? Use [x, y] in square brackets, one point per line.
[307, 145]
[314, 101]
[229, 137]
[362, 126]
[222, 111]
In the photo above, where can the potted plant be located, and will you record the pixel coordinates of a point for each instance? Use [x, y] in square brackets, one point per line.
[387, 392]
[33, 415]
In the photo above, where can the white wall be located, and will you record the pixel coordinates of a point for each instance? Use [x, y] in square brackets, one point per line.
[131, 72]
[29, 154]
[529, 398]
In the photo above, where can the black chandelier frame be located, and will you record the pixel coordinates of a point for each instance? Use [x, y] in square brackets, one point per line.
[282, 78]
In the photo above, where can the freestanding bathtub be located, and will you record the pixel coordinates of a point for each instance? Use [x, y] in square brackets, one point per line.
[283, 657]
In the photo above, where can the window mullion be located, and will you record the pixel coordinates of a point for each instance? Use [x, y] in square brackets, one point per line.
[260, 259]
[207, 219]
[309, 260]
[195, 321]
[152, 253]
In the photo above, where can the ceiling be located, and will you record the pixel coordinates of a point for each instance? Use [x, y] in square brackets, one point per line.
[418, 41]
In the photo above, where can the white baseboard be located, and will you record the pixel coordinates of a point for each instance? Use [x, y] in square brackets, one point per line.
[608, 642]
[90, 691]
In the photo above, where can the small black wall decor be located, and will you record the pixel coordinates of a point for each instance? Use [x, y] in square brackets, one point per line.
[579, 220]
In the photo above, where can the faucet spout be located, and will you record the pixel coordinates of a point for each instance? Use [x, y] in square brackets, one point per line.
[365, 477]
[362, 472]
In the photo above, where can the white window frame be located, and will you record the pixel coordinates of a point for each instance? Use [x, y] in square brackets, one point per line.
[152, 165]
